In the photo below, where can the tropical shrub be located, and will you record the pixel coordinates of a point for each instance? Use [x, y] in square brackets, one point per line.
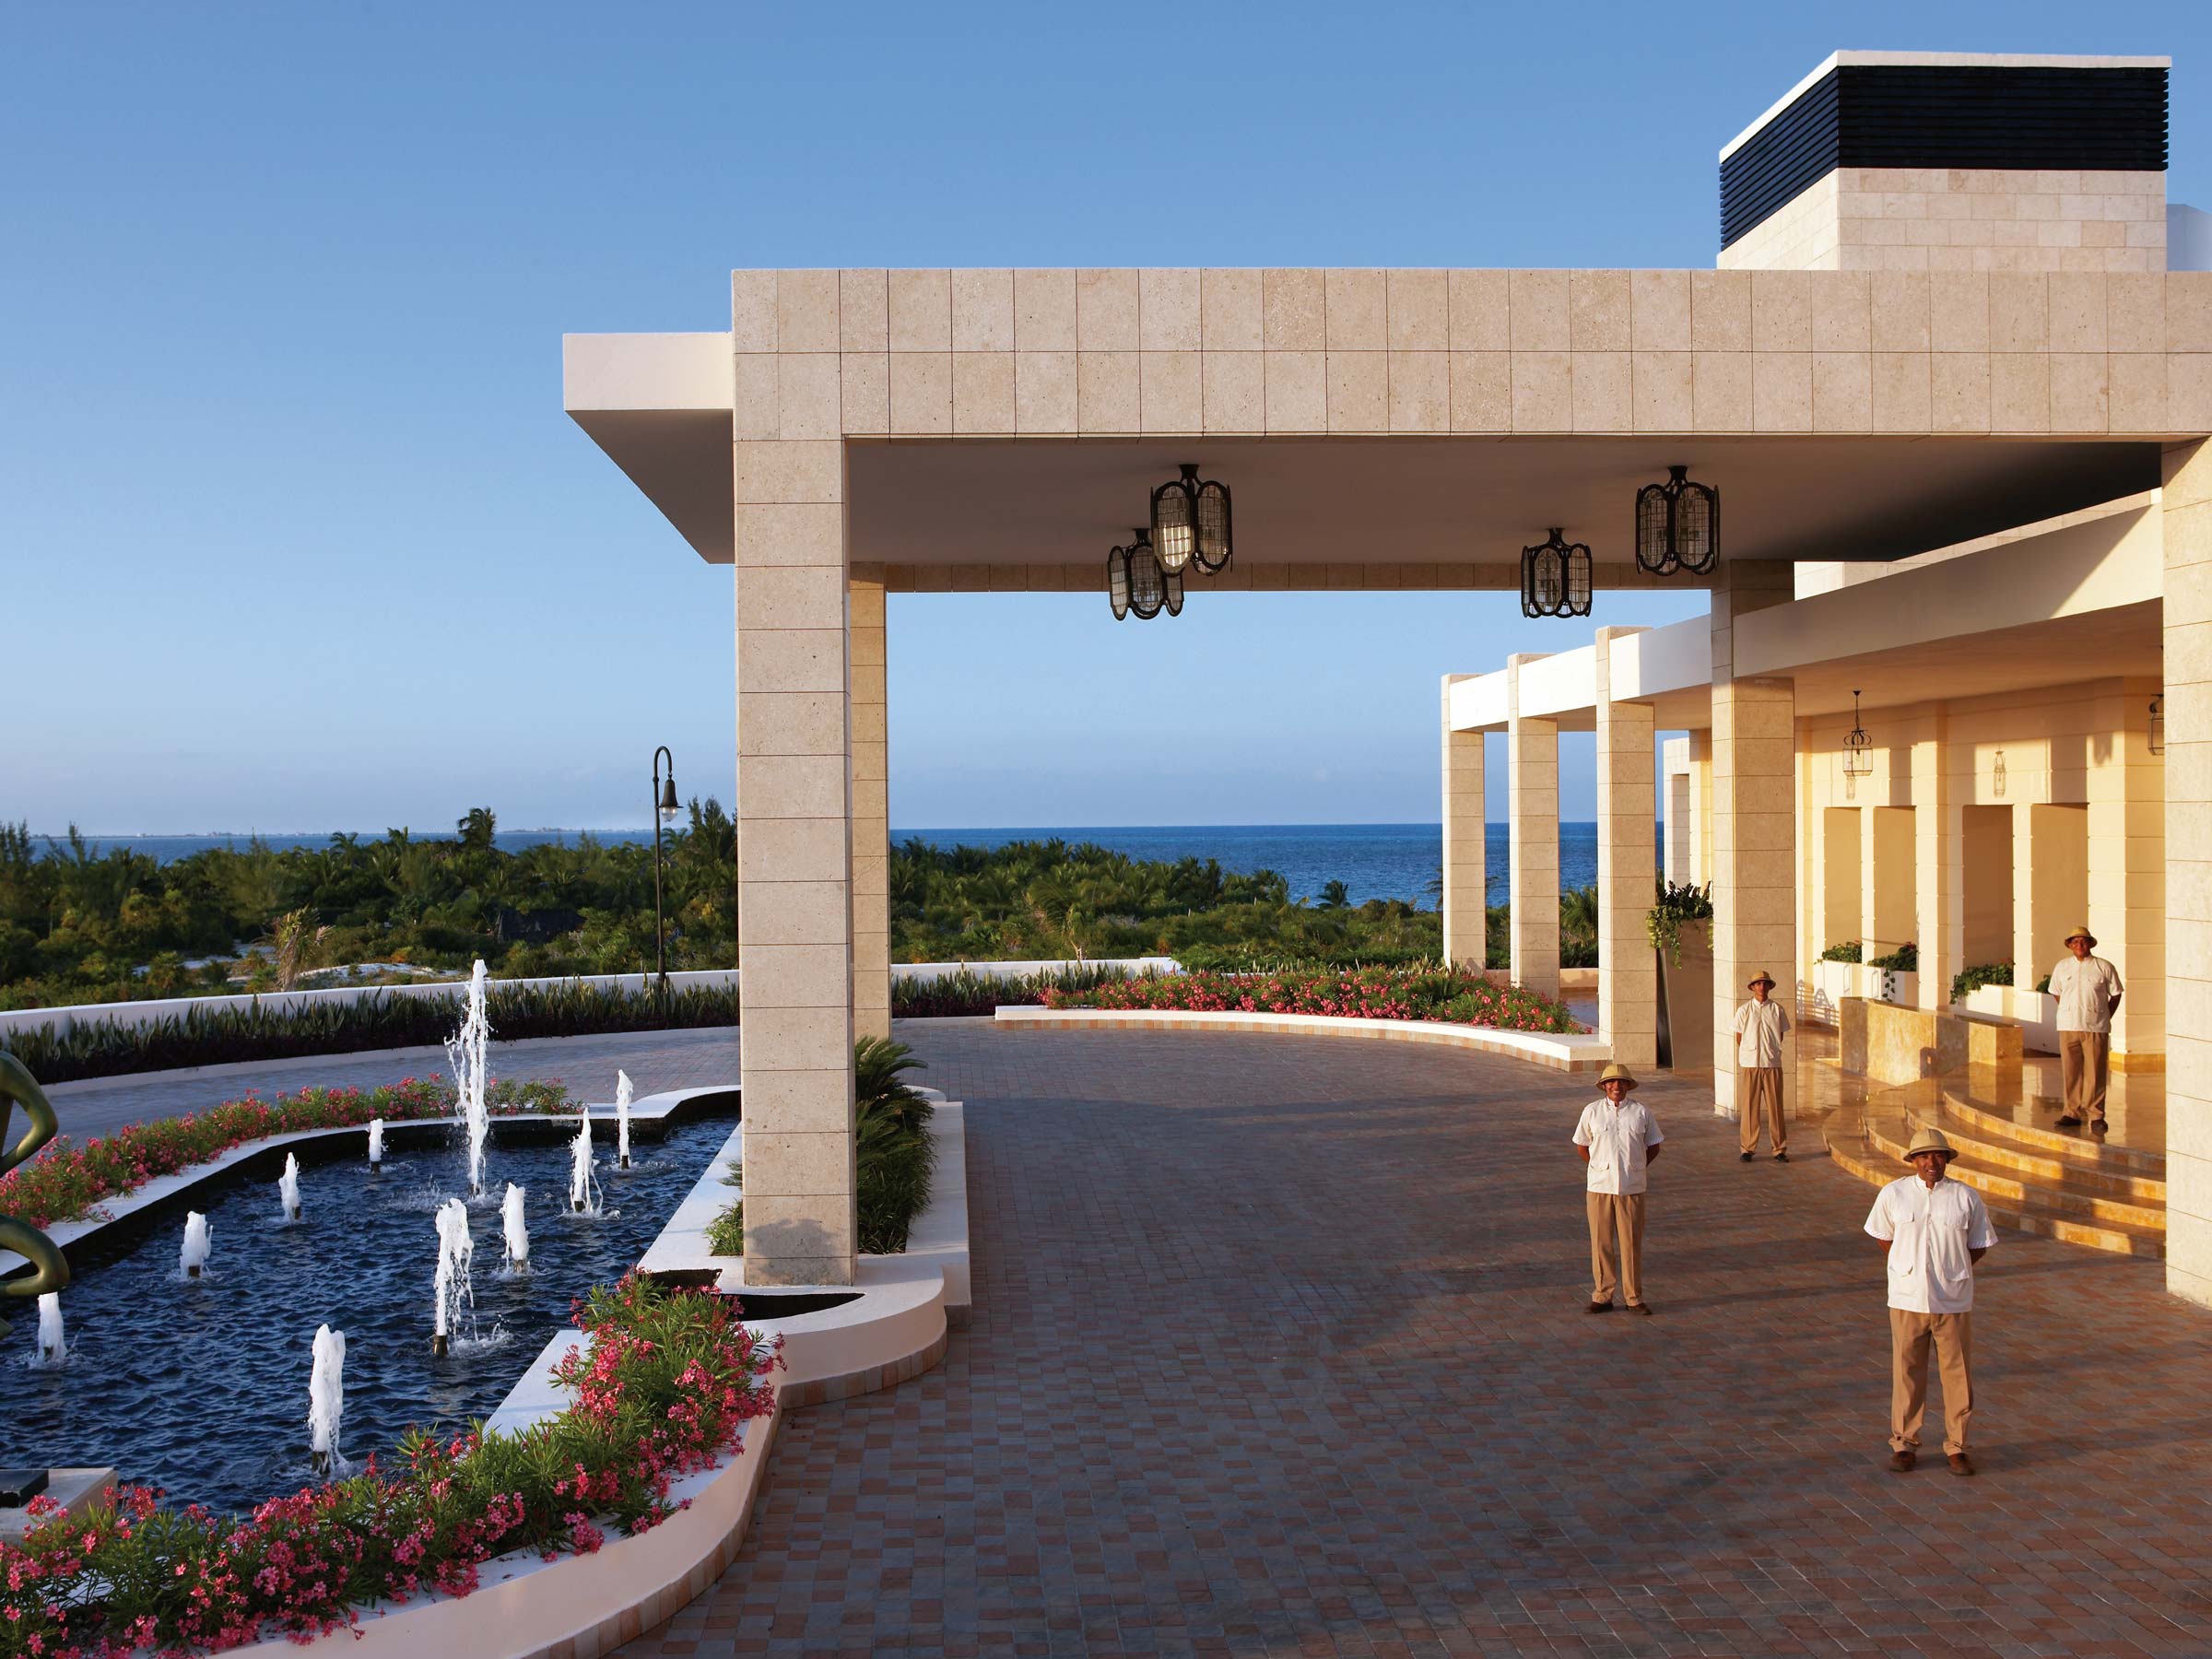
[64, 1182]
[662, 1388]
[1850, 950]
[892, 1154]
[1973, 979]
[1905, 958]
[215, 1034]
[967, 993]
[1429, 992]
[1678, 902]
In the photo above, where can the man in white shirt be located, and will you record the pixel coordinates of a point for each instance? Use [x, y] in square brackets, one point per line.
[1760, 1026]
[1617, 1138]
[1933, 1230]
[2089, 989]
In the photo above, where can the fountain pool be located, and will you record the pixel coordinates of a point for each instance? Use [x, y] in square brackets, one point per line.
[194, 1387]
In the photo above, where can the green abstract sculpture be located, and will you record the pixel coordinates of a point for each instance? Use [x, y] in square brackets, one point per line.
[17, 1085]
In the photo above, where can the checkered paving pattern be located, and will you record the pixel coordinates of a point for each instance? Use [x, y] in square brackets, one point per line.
[1280, 1348]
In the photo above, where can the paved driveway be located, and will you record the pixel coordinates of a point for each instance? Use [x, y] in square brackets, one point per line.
[1279, 1348]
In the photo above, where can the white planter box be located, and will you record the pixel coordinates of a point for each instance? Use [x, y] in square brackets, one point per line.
[1890, 985]
[2034, 1012]
[1832, 981]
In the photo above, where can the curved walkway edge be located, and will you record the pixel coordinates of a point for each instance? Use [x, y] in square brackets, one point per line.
[1561, 1052]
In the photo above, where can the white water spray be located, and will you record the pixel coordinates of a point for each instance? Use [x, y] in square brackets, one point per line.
[287, 1187]
[376, 1144]
[516, 1230]
[456, 1293]
[465, 1053]
[53, 1348]
[583, 1193]
[326, 1399]
[199, 1245]
[622, 1094]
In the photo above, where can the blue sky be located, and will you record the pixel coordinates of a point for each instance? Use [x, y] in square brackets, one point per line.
[296, 535]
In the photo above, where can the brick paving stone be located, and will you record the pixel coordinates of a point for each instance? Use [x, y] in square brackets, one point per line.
[1279, 1348]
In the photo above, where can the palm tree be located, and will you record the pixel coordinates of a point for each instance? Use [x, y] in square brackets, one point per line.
[1334, 896]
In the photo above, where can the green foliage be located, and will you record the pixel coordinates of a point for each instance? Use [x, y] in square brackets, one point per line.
[968, 994]
[1905, 958]
[1677, 903]
[725, 1233]
[214, 1034]
[1850, 950]
[1974, 978]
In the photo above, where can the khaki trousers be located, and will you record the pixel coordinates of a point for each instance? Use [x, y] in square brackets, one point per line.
[1911, 1335]
[2085, 1059]
[1758, 1096]
[1615, 1216]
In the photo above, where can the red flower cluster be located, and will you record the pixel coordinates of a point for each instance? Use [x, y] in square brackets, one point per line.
[663, 1388]
[1455, 994]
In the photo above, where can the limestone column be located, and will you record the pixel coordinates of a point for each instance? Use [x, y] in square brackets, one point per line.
[1628, 974]
[1938, 885]
[794, 858]
[1754, 819]
[1701, 807]
[2186, 521]
[1532, 823]
[2127, 868]
[871, 809]
[1466, 876]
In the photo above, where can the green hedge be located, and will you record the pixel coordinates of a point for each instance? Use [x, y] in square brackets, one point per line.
[1973, 979]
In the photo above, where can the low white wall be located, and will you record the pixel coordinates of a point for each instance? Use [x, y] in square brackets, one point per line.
[151, 1010]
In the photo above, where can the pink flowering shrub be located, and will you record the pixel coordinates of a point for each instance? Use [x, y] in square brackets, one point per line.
[663, 1389]
[65, 1181]
[1426, 993]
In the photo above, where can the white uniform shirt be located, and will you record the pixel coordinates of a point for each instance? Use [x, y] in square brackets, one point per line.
[1759, 1028]
[1617, 1137]
[1930, 1229]
[2085, 991]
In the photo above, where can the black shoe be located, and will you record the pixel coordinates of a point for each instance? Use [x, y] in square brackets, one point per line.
[1747, 1156]
[1598, 1307]
[1782, 1158]
[2100, 1127]
[2069, 1122]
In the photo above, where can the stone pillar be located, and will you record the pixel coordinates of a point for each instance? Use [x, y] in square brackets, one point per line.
[2186, 521]
[2128, 869]
[1532, 824]
[1467, 876]
[1754, 819]
[871, 809]
[1939, 920]
[1628, 973]
[794, 790]
[1701, 807]
[2050, 886]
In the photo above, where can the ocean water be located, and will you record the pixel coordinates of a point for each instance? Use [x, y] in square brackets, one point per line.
[1373, 860]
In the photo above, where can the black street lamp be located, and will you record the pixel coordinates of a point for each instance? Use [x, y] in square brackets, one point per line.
[663, 803]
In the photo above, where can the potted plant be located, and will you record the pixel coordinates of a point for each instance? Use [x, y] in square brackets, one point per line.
[1681, 926]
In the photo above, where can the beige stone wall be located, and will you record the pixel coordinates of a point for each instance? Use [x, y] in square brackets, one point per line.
[1465, 874]
[871, 809]
[1896, 219]
[2188, 792]
[1120, 353]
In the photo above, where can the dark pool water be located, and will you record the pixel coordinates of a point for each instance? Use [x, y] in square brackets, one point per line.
[201, 1388]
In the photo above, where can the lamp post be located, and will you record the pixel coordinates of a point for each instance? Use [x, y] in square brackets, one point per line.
[663, 802]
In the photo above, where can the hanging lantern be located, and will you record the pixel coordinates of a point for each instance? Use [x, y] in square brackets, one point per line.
[1117, 582]
[1148, 581]
[1555, 578]
[2158, 725]
[1677, 525]
[1173, 585]
[1858, 748]
[1190, 521]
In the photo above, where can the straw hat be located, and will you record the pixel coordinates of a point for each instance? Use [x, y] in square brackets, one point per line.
[1930, 1140]
[2081, 931]
[1616, 1073]
[1761, 978]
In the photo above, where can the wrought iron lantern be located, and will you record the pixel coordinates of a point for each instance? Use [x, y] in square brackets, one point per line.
[1190, 523]
[1148, 581]
[1858, 748]
[2158, 725]
[1677, 525]
[1117, 582]
[1555, 578]
[1171, 586]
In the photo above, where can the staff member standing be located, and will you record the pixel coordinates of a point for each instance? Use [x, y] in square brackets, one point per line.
[1617, 1138]
[1933, 1230]
[1760, 1026]
[2089, 991]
